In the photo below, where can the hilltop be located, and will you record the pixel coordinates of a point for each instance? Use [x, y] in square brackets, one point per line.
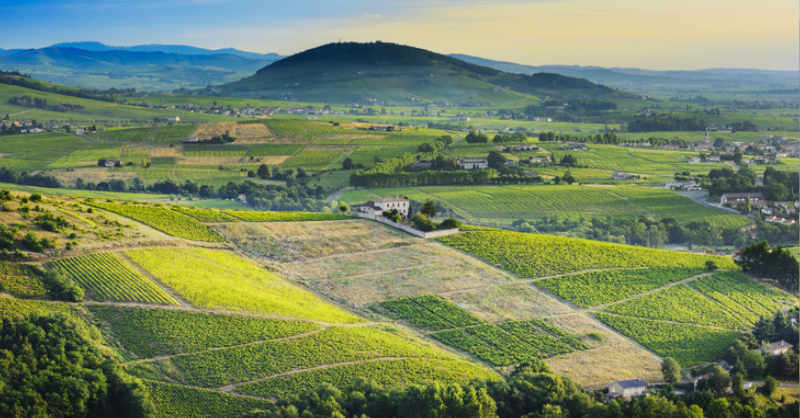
[390, 73]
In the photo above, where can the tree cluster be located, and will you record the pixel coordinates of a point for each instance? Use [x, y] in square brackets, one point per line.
[776, 263]
[665, 122]
[39, 103]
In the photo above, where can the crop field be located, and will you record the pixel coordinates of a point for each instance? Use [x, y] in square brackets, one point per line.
[106, 277]
[289, 241]
[19, 281]
[743, 296]
[205, 214]
[680, 304]
[146, 333]
[328, 347]
[430, 312]
[505, 204]
[178, 401]
[163, 219]
[687, 343]
[264, 216]
[516, 301]
[601, 287]
[361, 279]
[222, 280]
[535, 255]
[507, 343]
[315, 157]
[388, 373]
[152, 135]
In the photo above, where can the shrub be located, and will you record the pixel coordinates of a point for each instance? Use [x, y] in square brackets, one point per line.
[422, 222]
[449, 223]
[61, 287]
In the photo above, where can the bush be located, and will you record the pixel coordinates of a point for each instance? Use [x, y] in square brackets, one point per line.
[423, 223]
[61, 287]
[711, 265]
[449, 223]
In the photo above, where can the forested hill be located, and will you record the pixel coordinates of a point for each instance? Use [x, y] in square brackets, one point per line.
[398, 74]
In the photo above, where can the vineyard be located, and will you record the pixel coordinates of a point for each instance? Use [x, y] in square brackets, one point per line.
[430, 312]
[178, 401]
[679, 304]
[601, 287]
[741, 295]
[260, 216]
[105, 276]
[388, 373]
[330, 346]
[205, 214]
[222, 280]
[163, 219]
[687, 343]
[20, 281]
[510, 342]
[148, 333]
[536, 255]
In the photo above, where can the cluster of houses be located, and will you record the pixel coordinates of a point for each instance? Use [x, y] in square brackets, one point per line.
[376, 208]
[683, 186]
[621, 175]
[574, 146]
[773, 212]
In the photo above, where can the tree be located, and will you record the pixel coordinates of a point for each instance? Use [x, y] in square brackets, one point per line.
[344, 208]
[719, 381]
[568, 161]
[422, 222]
[263, 171]
[770, 385]
[428, 209]
[496, 160]
[711, 265]
[671, 370]
[476, 138]
[347, 164]
[567, 177]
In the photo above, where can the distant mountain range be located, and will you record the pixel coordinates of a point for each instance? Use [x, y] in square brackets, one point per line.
[387, 73]
[660, 83]
[144, 67]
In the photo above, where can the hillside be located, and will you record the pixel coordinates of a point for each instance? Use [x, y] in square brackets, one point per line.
[146, 67]
[397, 74]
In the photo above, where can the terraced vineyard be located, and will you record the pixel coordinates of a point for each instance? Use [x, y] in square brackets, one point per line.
[257, 361]
[508, 343]
[601, 287]
[743, 296]
[153, 332]
[106, 277]
[205, 214]
[687, 343]
[222, 280]
[163, 219]
[388, 373]
[178, 401]
[536, 255]
[680, 304]
[430, 312]
[261, 216]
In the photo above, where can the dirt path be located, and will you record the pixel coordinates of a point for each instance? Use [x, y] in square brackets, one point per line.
[213, 349]
[231, 387]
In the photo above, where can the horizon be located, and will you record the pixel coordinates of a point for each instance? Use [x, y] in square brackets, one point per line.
[623, 34]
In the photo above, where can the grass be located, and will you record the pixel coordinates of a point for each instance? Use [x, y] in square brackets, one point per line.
[148, 333]
[389, 373]
[163, 219]
[686, 343]
[261, 216]
[19, 281]
[222, 280]
[505, 204]
[106, 277]
[600, 287]
[535, 255]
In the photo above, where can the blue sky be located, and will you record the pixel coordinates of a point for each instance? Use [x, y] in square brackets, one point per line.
[661, 34]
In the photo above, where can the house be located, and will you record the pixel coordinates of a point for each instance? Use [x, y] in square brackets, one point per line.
[420, 165]
[174, 119]
[112, 163]
[377, 207]
[472, 163]
[621, 175]
[574, 146]
[539, 159]
[777, 348]
[714, 158]
[191, 140]
[511, 163]
[733, 199]
[683, 186]
[627, 389]
[523, 147]
[694, 160]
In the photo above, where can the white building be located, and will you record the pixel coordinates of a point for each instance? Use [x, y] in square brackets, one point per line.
[377, 207]
[627, 388]
[472, 163]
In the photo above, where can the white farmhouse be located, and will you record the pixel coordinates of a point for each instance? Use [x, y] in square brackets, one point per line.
[627, 389]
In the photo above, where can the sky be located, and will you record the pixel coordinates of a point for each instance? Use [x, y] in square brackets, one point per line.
[656, 34]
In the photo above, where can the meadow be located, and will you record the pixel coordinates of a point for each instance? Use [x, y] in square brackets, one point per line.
[504, 204]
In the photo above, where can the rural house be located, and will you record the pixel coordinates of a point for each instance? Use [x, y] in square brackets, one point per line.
[377, 207]
[523, 147]
[734, 199]
[627, 389]
[777, 348]
[472, 163]
[539, 159]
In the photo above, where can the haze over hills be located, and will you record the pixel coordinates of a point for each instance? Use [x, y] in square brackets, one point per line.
[660, 83]
[143, 67]
[396, 74]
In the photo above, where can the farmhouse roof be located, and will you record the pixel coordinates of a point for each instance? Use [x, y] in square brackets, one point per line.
[779, 345]
[631, 383]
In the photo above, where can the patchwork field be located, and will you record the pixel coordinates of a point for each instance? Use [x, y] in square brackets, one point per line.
[505, 204]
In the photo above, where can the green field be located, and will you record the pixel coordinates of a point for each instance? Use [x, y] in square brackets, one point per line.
[261, 216]
[430, 312]
[600, 287]
[179, 401]
[743, 296]
[146, 333]
[687, 343]
[163, 219]
[105, 276]
[505, 204]
[222, 280]
[536, 255]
